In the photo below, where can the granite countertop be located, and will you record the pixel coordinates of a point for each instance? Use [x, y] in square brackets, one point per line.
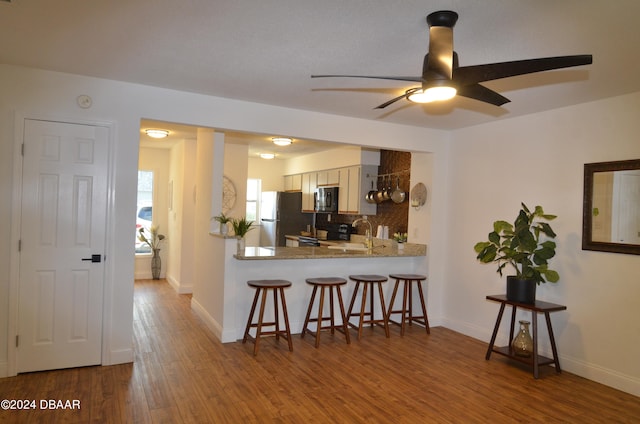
[382, 248]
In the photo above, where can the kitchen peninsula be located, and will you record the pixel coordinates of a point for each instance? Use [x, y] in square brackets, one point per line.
[296, 264]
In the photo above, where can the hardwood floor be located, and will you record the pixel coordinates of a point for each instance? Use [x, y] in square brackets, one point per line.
[182, 374]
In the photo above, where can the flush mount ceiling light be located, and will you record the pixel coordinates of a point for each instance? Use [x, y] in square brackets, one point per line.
[267, 155]
[281, 141]
[157, 133]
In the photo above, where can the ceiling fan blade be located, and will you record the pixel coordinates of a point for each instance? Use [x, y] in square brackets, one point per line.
[395, 99]
[467, 75]
[414, 79]
[482, 93]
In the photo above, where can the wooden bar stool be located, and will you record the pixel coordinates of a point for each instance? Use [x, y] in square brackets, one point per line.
[278, 288]
[326, 283]
[407, 301]
[366, 281]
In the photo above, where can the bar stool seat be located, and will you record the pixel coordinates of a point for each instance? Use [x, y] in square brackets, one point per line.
[407, 301]
[323, 283]
[277, 286]
[368, 280]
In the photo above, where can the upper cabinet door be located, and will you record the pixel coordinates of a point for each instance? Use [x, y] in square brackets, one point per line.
[329, 178]
[355, 183]
[309, 185]
[293, 182]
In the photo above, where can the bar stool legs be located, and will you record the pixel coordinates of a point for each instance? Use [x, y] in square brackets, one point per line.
[325, 283]
[278, 289]
[367, 280]
[407, 301]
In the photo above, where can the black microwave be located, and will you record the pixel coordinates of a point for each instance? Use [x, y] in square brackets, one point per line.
[326, 199]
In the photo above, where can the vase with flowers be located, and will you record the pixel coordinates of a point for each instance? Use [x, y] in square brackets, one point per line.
[153, 241]
[401, 239]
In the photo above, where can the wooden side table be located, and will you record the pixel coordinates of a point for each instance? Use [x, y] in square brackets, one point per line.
[535, 360]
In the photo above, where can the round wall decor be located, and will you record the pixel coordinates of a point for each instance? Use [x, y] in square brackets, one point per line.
[228, 195]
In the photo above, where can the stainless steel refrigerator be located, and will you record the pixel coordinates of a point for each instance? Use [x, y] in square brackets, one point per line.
[280, 215]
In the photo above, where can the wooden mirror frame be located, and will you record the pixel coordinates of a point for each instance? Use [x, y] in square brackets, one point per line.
[587, 206]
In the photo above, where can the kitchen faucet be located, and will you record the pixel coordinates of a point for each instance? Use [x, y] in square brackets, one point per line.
[368, 233]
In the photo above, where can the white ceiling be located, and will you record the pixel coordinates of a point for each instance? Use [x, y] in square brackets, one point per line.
[265, 50]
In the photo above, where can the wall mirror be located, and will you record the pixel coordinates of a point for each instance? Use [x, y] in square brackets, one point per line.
[611, 207]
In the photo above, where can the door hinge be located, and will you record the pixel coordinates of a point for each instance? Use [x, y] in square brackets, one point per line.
[17, 340]
[22, 149]
[19, 245]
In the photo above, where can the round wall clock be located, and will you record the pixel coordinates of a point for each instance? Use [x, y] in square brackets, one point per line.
[228, 195]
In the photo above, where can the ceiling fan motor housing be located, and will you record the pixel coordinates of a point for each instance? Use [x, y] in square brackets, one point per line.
[442, 18]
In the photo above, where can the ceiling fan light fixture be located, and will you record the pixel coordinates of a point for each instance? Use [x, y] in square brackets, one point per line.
[281, 141]
[432, 94]
[267, 155]
[155, 133]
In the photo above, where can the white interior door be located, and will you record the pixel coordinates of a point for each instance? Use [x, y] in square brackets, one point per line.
[64, 203]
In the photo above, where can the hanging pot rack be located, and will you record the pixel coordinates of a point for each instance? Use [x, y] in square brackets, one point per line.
[391, 174]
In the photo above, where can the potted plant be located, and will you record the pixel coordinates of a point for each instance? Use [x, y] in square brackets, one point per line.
[223, 220]
[154, 243]
[519, 245]
[400, 238]
[241, 226]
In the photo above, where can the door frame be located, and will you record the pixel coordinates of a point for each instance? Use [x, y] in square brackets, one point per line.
[16, 216]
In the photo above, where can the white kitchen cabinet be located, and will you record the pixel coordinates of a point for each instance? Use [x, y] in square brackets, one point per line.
[293, 182]
[355, 183]
[292, 243]
[328, 178]
[309, 185]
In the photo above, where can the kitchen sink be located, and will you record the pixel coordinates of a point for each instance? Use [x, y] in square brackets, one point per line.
[349, 246]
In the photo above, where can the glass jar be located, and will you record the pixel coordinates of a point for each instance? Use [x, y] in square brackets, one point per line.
[522, 344]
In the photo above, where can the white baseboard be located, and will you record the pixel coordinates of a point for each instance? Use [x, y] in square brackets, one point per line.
[590, 371]
[179, 287]
[602, 375]
[211, 323]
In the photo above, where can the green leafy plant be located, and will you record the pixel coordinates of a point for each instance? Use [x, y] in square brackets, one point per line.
[519, 245]
[154, 238]
[241, 226]
[400, 237]
[222, 218]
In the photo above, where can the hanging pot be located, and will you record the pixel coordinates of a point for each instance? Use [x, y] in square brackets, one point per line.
[380, 194]
[371, 196]
[522, 291]
[398, 195]
[386, 193]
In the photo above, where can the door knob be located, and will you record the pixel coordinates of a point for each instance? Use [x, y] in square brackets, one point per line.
[93, 258]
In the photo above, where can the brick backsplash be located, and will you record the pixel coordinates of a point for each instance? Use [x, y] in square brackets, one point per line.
[393, 215]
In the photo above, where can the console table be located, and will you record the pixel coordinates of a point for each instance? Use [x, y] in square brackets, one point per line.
[535, 360]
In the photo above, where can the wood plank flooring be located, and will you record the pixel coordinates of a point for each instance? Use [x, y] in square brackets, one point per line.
[182, 374]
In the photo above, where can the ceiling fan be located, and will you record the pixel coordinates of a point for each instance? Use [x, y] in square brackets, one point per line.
[442, 78]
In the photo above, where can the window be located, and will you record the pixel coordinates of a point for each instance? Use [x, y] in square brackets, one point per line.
[253, 199]
[144, 211]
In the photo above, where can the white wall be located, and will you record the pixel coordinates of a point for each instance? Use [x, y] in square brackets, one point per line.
[181, 208]
[339, 157]
[539, 159]
[269, 171]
